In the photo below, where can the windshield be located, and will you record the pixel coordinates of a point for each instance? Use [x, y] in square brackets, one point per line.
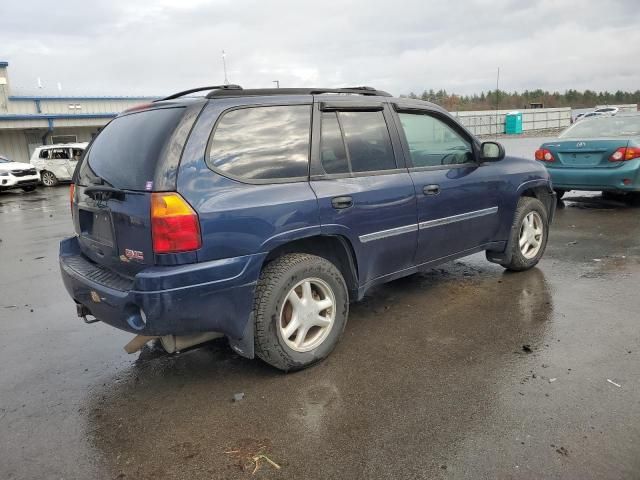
[4, 160]
[601, 127]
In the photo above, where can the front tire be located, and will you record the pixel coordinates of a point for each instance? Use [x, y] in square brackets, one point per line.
[30, 188]
[49, 179]
[300, 311]
[529, 234]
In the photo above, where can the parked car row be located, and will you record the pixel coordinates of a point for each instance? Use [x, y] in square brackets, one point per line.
[598, 112]
[49, 165]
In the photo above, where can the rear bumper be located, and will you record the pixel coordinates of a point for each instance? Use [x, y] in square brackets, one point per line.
[626, 177]
[214, 296]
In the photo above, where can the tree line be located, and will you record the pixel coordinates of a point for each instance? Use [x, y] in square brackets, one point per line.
[519, 100]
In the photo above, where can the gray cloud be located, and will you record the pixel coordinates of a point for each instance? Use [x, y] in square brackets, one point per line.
[155, 47]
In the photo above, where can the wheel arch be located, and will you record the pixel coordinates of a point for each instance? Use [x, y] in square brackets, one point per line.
[540, 189]
[335, 248]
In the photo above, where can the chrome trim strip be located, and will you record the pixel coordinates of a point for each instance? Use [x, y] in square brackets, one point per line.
[458, 218]
[369, 237]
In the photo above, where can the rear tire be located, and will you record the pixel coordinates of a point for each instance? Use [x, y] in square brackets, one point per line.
[630, 198]
[30, 188]
[529, 234]
[290, 296]
[49, 179]
[633, 199]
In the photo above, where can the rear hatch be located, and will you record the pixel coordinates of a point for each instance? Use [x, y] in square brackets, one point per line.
[591, 153]
[124, 164]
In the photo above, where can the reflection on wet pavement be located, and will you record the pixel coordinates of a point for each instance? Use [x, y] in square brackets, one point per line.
[430, 379]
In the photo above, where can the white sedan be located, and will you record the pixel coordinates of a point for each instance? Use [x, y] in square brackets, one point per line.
[17, 175]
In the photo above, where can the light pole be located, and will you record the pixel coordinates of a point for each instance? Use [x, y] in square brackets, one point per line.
[277, 82]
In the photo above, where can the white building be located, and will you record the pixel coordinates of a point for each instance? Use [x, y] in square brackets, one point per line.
[29, 121]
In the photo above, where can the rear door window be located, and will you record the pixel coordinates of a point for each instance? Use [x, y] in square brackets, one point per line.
[333, 153]
[262, 143]
[355, 142]
[125, 153]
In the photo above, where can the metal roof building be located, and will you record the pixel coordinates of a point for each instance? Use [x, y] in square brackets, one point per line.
[27, 122]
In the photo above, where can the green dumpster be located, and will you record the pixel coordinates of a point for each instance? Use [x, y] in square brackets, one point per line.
[513, 123]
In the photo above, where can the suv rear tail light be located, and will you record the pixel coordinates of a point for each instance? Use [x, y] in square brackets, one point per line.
[174, 224]
[544, 155]
[625, 153]
[72, 195]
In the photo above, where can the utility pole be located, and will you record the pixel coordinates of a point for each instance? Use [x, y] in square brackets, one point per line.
[224, 66]
[277, 82]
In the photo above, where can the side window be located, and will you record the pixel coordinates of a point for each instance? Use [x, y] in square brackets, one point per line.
[368, 141]
[432, 142]
[332, 151]
[76, 153]
[262, 143]
[366, 138]
[44, 153]
[59, 153]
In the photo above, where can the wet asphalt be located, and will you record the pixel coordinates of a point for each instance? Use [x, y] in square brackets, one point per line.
[461, 372]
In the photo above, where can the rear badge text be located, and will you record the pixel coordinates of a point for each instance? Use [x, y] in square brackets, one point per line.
[133, 255]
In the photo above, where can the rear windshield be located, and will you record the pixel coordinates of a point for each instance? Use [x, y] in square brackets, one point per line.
[602, 127]
[126, 152]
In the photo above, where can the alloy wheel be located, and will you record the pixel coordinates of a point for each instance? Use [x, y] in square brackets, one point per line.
[49, 179]
[307, 315]
[531, 233]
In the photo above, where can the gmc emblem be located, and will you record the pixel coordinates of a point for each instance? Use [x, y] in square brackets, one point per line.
[133, 254]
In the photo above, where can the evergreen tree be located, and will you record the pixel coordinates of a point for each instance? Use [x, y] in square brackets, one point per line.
[519, 100]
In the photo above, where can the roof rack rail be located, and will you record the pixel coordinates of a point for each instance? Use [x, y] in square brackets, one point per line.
[200, 89]
[258, 92]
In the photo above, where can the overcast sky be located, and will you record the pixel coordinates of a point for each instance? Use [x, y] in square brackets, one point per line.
[141, 47]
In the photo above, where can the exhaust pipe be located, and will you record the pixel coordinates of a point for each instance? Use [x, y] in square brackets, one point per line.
[137, 343]
[171, 343]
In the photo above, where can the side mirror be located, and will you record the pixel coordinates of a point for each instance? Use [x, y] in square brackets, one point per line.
[491, 151]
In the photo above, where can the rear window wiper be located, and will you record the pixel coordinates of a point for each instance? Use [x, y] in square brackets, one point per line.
[103, 192]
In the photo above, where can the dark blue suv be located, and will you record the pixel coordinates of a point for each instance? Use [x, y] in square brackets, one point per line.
[260, 214]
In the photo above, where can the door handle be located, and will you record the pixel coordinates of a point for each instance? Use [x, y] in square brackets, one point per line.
[342, 202]
[431, 189]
